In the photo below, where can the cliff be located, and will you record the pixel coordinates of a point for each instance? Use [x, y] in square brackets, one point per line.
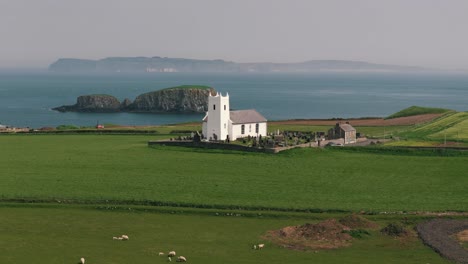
[92, 103]
[180, 99]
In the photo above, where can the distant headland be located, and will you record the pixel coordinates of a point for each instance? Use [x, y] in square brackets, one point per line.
[179, 99]
[167, 65]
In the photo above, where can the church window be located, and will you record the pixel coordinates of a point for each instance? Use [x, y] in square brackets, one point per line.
[242, 129]
[224, 107]
[256, 128]
[224, 125]
[250, 128]
[214, 107]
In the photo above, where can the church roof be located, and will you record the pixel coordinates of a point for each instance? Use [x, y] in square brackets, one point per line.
[246, 116]
[243, 117]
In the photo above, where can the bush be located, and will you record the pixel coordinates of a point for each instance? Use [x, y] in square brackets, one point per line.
[357, 233]
[67, 127]
[394, 229]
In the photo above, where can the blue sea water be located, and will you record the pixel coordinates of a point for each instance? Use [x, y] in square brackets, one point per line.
[26, 99]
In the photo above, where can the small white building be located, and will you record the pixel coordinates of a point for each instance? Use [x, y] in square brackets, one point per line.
[220, 123]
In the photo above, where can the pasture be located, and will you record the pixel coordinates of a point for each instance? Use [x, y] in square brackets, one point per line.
[122, 168]
[452, 126]
[56, 234]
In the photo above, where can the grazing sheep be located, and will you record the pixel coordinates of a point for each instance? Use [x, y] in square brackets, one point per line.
[124, 237]
[161, 254]
[169, 258]
[260, 246]
[82, 261]
[171, 254]
[181, 259]
[115, 238]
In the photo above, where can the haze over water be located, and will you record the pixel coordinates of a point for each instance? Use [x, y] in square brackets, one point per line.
[27, 99]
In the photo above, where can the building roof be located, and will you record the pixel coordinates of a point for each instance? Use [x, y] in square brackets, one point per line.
[347, 127]
[246, 116]
[243, 117]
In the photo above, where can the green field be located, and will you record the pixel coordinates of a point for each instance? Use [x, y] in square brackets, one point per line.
[72, 174]
[452, 126]
[418, 110]
[123, 168]
[56, 234]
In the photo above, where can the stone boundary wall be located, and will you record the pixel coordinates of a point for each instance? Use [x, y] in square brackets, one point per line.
[210, 145]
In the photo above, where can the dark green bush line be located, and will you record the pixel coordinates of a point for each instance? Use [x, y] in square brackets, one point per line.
[93, 131]
[170, 204]
[408, 151]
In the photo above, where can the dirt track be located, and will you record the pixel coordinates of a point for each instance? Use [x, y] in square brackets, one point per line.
[401, 121]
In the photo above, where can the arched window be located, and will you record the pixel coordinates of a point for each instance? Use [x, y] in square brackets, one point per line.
[256, 128]
[224, 107]
[242, 129]
[214, 107]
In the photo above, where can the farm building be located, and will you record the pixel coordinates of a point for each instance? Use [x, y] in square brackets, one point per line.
[220, 123]
[344, 131]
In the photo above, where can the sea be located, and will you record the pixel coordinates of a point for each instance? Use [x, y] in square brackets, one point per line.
[27, 97]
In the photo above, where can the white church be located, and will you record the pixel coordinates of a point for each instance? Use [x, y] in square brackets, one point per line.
[220, 123]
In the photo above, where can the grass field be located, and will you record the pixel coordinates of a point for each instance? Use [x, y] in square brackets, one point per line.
[418, 110]
[63, 234]
[122, 167]
[452, 126]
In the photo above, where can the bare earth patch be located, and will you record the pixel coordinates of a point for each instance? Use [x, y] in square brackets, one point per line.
[401, 121]
[463, 236]
[328, 234]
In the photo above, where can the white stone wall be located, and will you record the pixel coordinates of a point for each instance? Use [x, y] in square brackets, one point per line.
[204, 128]
[249, 130]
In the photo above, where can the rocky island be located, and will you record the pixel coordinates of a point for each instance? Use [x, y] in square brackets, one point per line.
[180, 99]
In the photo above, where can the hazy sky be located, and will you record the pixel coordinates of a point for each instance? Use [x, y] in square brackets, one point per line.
[434, 33]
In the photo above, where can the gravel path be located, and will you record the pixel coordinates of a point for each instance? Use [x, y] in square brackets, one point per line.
[437, 235]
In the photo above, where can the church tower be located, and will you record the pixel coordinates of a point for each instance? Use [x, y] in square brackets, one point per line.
[218, 117]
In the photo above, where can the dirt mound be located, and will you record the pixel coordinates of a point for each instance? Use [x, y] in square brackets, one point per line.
[328, 234]
[357, 222]
[463, 236]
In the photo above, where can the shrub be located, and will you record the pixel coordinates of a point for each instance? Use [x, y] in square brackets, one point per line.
[394, 229]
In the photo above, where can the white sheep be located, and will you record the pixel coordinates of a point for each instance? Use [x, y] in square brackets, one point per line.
[171, 254]
[169, 258]
[115, 238]
[124, 237]
[260, 246]
[161, 254]
[181, 259]
[82, 261]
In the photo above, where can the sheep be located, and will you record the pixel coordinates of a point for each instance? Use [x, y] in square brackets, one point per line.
[161, 254]
[124, 237]
[169, 258]
[254, 246]
[172, 254]
[115, 238]
[260, 246]
[82, 261]
[181, 259]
